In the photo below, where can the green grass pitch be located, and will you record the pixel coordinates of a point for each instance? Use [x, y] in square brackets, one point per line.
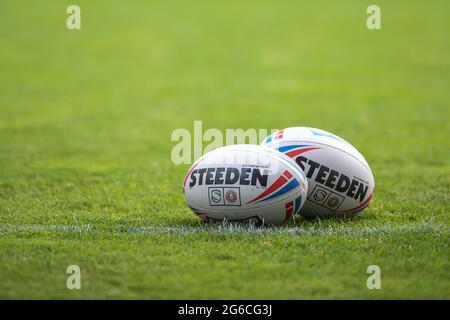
[86, 118]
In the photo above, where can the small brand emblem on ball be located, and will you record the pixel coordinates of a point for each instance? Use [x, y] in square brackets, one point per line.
[216, 196]
[332, 201]
[231, 196]
[320, 195]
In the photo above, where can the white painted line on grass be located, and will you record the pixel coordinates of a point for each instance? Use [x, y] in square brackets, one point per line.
[229, 228]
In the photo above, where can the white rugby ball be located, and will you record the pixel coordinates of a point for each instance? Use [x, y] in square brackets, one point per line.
[245, 183]
[340, 181]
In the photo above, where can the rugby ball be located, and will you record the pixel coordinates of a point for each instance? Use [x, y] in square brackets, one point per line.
[247, 183]
[340, 181]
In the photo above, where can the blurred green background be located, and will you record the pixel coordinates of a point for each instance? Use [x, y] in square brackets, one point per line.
[86, 118]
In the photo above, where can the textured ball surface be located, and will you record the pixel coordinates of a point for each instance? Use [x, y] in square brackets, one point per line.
[245, 183]
[340, 181]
